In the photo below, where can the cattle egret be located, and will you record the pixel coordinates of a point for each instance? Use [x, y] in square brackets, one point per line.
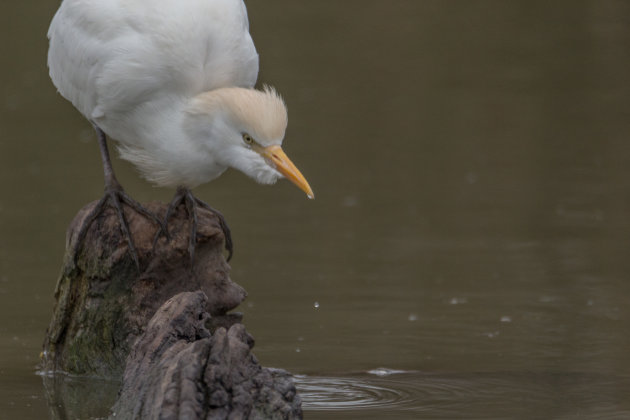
[172, 81]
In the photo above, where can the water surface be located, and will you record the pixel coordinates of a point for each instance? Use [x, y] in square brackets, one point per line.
[472, 221]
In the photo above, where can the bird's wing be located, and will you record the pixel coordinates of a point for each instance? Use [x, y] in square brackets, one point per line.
[75, 55]
[109, 56]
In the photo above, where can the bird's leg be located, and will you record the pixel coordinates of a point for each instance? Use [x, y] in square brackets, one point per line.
[185, 196]
[176, 201]
[229, 245]
[115, 196]
[191, 208]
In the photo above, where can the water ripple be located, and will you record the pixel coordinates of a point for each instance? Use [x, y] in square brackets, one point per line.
[473, 395]
[320, 393]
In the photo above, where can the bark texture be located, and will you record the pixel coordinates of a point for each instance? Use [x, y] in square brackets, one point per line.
[103, 303]
[179, 370]
[190, 358]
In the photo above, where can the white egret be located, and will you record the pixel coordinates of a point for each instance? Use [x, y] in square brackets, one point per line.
[172, 82]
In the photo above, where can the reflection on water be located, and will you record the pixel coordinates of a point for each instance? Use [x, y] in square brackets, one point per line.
[472, 223]
[71, 397]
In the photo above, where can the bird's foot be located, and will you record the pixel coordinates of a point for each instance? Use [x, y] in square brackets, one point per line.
[229, 245]
[185, 196]
[115, 197]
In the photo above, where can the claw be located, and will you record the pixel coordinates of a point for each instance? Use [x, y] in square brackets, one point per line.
[185, 196]
[229, 245]
[115, 196]
[124, 226]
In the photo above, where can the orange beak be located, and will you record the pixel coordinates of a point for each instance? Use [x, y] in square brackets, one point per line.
[281, 162]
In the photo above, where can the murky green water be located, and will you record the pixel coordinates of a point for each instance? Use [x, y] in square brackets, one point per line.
[471, 161]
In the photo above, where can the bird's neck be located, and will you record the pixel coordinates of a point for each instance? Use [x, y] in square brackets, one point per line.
[156, 139]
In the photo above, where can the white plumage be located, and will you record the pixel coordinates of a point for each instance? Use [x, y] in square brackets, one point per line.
[171, 81]
[137, 68]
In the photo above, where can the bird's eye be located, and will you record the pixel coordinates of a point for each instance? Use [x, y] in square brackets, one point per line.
[249, 140]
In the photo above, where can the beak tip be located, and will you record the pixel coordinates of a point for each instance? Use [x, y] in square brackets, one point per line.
[286, 168]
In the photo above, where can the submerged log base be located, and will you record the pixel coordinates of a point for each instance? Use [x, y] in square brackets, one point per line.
[179, 370]
[103, 303]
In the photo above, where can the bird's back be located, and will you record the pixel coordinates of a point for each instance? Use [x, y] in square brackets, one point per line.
[112, 57]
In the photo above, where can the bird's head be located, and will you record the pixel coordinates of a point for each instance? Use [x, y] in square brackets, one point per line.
[244, 129]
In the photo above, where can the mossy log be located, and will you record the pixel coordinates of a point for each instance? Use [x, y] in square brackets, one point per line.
[104, 306]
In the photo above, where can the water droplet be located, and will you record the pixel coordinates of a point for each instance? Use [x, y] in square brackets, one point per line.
[298, 350]
[458, 301]
[412, 317]
[316, 305]
[506, 319]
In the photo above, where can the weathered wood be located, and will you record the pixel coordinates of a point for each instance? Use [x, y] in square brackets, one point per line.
[190, 359]
[179, 370]
[103, 303]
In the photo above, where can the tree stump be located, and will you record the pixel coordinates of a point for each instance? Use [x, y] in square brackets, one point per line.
[105, 307]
